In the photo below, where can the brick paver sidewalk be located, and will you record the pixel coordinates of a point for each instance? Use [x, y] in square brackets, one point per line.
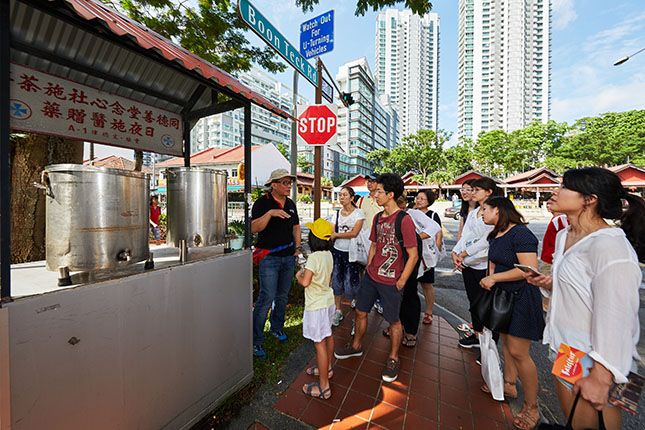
[438, 386]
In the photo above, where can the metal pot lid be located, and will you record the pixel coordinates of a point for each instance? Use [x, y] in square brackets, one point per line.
[94, 169]
[211, 170]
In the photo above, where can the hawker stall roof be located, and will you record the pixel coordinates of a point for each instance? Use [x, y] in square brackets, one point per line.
[92, 44]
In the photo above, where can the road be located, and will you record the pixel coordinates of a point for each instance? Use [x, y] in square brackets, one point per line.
[453, 304]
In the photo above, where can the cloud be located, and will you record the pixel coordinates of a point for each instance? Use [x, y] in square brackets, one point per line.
[563, 13]
[627, 34]
[606, 98]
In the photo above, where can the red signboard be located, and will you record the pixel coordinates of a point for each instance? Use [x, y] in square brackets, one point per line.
[317, 124]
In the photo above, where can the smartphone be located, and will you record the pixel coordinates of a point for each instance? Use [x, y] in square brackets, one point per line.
[527, 269]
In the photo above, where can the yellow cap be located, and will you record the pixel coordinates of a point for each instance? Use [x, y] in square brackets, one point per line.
[321, 228]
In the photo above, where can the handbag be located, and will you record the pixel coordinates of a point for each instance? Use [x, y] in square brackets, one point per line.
[494, 308]
[601, 422]
[359, 247]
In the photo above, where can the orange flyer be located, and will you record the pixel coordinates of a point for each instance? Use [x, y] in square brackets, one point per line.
[571, 364]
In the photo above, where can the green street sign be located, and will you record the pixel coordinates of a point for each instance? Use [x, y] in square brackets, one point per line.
[267, 32]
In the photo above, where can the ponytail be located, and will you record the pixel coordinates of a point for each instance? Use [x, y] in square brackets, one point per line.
[631, 222]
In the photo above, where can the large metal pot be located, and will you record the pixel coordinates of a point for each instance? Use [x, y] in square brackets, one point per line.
[196, 206]
[97, 218]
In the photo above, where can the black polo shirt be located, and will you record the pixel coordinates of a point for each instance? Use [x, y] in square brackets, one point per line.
[279, 231]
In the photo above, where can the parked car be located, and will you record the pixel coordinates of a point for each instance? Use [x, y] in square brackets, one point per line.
[453, 212]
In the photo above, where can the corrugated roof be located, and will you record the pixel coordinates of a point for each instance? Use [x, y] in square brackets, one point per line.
[115, 162]
[82, 53]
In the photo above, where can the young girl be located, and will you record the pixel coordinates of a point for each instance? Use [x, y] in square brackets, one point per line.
[594, 288]
[510, 243]
[319, 305]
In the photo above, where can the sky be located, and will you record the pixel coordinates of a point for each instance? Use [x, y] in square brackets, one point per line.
[588, 36]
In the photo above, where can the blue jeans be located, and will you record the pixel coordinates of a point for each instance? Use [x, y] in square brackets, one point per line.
[276, 274]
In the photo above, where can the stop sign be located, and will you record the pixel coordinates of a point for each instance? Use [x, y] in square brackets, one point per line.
[317, 124]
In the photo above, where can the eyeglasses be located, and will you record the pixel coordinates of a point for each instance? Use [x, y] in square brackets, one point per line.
[285, 182]
[466, 190]
[377, 191]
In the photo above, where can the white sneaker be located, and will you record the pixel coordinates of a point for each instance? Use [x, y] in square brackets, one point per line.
[353, 332]
[353, 305]
[338, 317]
[378, 307]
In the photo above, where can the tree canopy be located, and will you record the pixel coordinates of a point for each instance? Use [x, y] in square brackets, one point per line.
[419, 7]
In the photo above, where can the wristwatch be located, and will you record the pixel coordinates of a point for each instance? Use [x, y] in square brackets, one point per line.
[300, 248]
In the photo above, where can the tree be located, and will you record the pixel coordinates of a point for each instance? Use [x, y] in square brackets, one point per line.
[530, 146]
[489, 152]
[304, 165]
[212, 29]
[284, 150]
[337, 180]
[458, 158]
[419, 7]
[326, 182]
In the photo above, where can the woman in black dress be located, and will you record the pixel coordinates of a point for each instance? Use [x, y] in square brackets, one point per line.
[511, 242]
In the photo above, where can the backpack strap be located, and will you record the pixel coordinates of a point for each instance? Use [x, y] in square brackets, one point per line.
[399, 237]
[336, 225]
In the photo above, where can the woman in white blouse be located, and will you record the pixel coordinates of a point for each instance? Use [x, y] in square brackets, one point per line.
[593, 286]
[346, 276]
[470, 254]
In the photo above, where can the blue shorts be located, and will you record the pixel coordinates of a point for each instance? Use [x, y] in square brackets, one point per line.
[371, 290]
[156, 233]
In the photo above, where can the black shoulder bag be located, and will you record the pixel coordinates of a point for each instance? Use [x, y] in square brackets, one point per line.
[601, 422]
[494, 308]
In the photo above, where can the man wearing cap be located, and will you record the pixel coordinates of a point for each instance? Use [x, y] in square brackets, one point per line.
[275, 218]
[368, 203]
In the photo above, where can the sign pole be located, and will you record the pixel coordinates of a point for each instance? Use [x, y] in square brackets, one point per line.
[318, 149]
[294, 139]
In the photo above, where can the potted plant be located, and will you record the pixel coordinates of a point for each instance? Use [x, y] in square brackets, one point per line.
[236, 234]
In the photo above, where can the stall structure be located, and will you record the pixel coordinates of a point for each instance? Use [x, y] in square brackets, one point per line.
[136, 346]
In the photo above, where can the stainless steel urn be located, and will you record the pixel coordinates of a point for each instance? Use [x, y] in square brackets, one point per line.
[97, 217]
[196, 206]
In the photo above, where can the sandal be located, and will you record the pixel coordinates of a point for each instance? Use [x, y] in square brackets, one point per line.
[409, 342]
[322, 394]
[314, 371]
[427, 318]
[486, 390]
[386, 332]
[524, 421]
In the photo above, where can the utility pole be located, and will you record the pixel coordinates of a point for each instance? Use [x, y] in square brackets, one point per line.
[294, 139]
[318, 149]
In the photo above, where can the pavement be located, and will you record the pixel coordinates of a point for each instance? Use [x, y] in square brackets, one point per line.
[438, 387]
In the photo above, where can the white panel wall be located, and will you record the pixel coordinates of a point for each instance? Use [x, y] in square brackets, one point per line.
[154, 350]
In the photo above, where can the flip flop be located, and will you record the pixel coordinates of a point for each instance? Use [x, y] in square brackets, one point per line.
[322, 394]
[427, 318]
[314, 371]
[507, 396]
[386, 332]
[409, 342]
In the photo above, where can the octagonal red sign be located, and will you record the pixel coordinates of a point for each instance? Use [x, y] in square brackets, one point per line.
[317, 124]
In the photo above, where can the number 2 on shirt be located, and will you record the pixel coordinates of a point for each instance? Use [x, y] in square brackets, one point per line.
[392, 254]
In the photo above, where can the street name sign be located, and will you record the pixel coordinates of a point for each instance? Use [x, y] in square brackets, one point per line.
[317, 35]
[317, 125]
[327, 91]
[272, 37]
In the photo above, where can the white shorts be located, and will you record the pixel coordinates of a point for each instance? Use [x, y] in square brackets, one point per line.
[316, 325]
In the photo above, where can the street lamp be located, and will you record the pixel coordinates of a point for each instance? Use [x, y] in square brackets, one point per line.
[622, 60]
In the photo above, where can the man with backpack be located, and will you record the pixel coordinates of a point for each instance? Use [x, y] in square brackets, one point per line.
[391, 261]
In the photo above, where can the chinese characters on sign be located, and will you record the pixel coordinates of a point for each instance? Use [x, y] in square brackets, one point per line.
[46, 104]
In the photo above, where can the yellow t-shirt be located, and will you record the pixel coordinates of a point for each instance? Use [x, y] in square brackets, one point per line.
[319, 295]
[371, 208]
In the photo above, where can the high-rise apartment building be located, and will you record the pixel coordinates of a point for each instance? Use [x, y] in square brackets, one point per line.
[407, 67]
[504, 64]
[227, 129]
[369, 124]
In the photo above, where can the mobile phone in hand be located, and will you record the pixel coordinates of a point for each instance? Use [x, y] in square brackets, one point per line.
[527, 269]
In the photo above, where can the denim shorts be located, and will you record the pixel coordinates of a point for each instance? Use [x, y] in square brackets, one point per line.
[156, 233]
[371, 290]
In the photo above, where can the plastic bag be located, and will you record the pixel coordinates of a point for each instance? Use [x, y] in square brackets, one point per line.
[491, 369]
[359, 247]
